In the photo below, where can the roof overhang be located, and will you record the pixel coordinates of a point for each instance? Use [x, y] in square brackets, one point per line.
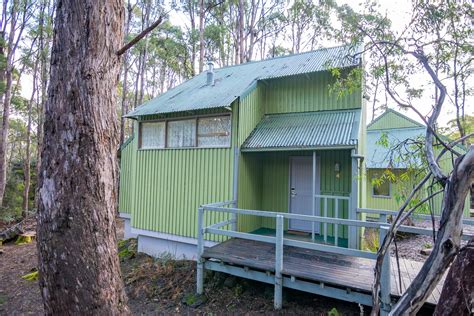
[305, 131]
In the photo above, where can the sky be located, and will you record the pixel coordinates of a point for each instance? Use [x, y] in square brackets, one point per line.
[400, 9]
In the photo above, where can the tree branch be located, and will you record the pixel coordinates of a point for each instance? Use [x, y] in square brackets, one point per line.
[135, 40]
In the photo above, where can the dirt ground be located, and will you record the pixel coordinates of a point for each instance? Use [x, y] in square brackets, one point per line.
[166, 286]
[162, 286]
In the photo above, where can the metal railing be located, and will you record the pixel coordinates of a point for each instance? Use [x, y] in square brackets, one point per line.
[279, 240]
[337, 200]
[411, 229]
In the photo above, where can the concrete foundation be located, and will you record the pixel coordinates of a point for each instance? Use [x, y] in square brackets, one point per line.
[159, 244]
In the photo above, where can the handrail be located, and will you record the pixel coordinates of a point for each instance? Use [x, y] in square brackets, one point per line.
[279, 241]
[423, 216]
[310, 218]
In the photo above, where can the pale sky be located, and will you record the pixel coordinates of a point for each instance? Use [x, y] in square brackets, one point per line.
[399, 10]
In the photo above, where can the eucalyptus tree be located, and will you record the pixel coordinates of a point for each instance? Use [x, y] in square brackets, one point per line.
[15, 18]
[77, 245]
[404, 59]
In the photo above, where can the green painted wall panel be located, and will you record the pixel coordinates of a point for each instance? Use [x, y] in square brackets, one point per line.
[275, 182]
[127, 175]
[391, 119]
[306, 93]
[250, 113]
[170, 184]
[250, 190]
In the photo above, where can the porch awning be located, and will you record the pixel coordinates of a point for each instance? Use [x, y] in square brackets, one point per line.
[306, 130]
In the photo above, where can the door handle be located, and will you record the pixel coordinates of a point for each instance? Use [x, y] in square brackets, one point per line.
[293, 192]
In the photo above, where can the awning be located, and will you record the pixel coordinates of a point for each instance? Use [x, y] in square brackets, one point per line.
[306, 130]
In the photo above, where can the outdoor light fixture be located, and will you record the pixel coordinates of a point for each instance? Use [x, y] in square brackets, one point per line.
[337, 167]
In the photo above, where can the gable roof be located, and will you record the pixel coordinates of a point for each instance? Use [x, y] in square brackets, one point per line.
[305, 130]
[392, 119]
[379, 156]
[235, 81]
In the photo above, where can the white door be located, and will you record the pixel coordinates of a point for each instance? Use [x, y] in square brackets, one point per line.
[301, 190]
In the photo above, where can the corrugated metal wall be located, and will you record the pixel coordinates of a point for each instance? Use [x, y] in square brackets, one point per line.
[170, 184]
[275, 181]
[127, 175]
[306, 93]
[391, 120]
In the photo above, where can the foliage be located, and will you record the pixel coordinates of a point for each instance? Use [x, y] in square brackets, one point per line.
[33, 276]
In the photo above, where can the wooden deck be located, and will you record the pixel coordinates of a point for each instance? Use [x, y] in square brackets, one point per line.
[339, 271]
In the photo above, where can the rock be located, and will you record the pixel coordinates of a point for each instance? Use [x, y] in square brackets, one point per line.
[426, 251]
[230, 281]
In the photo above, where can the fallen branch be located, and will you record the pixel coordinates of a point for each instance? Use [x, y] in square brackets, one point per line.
[143, 33]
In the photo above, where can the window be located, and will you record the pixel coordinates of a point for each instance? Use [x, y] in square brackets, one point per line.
[380, 187]
[181, 133]
[152, 135]
[214, 131]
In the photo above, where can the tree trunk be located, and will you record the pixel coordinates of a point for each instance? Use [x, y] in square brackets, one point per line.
[201, 35]
[7, 100]
[77, 244]
[457, 296]
[241, 32]
[448, 238]
[27, 167]
[125, 76]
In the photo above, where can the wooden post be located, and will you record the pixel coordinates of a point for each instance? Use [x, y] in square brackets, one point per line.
[385, 276]
[278, 263]
[200, 250]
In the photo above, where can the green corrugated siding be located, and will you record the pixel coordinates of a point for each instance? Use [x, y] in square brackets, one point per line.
[170, 184]
[250, 113]
[391, 119]
[275, 181]
[127, 173]
[306, 93]
[250, 190]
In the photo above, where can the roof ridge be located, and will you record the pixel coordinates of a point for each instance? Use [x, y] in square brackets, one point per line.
[284, 56]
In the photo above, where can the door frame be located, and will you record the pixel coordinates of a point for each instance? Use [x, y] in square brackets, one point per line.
[314, 158]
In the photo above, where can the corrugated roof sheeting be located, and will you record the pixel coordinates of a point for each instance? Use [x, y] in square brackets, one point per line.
[379, 156]
[234, 81]
[305, 130]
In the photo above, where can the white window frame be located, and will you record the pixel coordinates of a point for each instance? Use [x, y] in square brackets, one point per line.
[389, 196]
[196, 118]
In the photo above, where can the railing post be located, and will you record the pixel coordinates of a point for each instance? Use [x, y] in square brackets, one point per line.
[385, 277]
[278, 263]
[200, 250]
[235, 184]
[353, 204]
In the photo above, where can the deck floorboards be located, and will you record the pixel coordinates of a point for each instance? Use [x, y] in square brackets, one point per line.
[338, 270]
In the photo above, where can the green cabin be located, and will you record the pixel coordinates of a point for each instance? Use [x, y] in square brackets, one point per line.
[390, 139]
[267, 135]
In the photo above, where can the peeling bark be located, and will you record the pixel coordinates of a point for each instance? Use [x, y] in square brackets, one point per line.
[458, 290]
[78, 262]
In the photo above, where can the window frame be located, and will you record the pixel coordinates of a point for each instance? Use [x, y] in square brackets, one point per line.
[389, 196]
[185, 118]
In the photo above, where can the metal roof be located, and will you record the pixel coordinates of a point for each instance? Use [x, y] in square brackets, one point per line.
[379, 156]
[235, 81]
[306, 130]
